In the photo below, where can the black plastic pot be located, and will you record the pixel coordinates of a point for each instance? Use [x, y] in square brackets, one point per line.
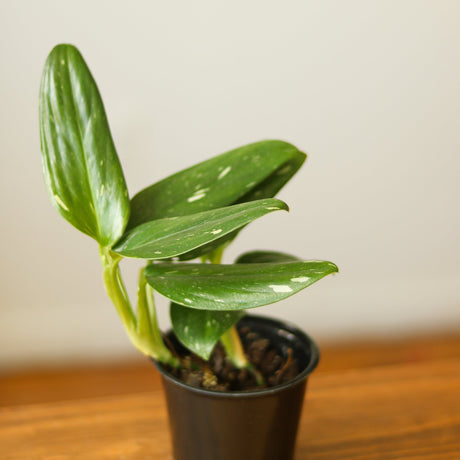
[250, 425]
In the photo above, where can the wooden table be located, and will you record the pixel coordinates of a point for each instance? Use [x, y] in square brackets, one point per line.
[405, 410]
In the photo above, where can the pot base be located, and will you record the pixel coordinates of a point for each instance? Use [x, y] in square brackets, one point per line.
[251, 425]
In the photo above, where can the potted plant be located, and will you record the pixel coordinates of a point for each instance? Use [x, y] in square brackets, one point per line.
[234, 382]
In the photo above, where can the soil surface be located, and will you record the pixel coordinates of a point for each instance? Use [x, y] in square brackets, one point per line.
[221, 375]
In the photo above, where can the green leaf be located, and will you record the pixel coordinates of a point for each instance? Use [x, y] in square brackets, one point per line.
[170, 237]
[251, 172]
[82, 171]
[260, 257]
[277, 180]
[234, 287]
[200, 330]
[209, 247]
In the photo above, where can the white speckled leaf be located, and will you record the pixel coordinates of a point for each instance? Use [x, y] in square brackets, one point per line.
[234, 287]
[251, 172]
[170, 237]
[200, 330]
[82, 171]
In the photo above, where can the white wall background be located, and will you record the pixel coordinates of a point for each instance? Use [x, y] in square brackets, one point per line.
[369, 88]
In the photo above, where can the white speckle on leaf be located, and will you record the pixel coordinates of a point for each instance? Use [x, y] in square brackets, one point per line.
[61, 203]
[219, 300]
[283, 170]
[272, 208]
[280, 288]
[157, 252]
[62, 62]
[101, 162]
[102, 189]
[300, 279]
[216, 232]
[193, 198]
[186, 330]
[251, 184]
[224, 172]
[187, 300]
[200, 191]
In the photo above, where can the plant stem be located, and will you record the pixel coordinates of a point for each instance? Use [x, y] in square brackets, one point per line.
[234, 348]
[116, 289]
[215, 257]
[148, 324]
[143, 331]
[231, 339]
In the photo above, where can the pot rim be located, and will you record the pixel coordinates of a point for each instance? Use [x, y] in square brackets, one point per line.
[284, 329]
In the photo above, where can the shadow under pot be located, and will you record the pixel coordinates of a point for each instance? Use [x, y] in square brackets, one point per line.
[242, 425]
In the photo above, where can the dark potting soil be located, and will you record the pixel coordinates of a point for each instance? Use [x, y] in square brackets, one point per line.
[221, 375]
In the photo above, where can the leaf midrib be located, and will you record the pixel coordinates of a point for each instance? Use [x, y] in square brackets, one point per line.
[80, 139]
[229, 276]
[220, 235]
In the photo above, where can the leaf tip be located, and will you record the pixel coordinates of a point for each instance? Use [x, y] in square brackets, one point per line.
[333, 267]
[275, 204]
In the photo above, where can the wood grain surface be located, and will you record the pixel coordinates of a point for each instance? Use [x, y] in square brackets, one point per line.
[40, 385]
[399, 411]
